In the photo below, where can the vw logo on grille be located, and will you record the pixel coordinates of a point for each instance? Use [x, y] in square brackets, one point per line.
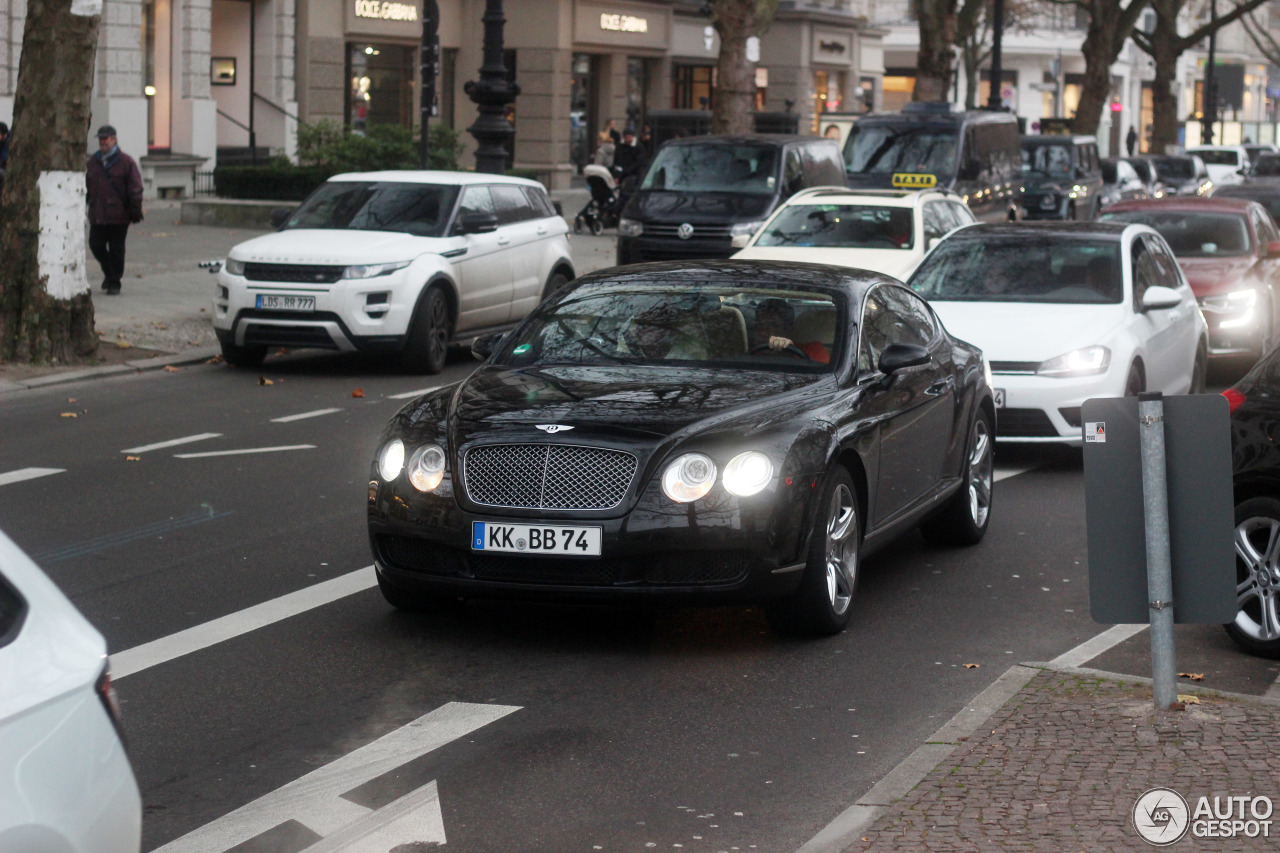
[685, 231]
[552, 428]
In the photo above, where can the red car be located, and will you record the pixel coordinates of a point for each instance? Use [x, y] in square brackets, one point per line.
[1229, 250]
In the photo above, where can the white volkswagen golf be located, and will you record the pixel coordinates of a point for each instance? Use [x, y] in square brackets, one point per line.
[1065, 312]
[401, 262]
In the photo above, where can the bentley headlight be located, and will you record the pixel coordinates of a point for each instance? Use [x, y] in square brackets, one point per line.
[391, 459]
[689, 477]
[1081, 362]
[426, 467]
[748, 473]
[373, 270]
[233, 267]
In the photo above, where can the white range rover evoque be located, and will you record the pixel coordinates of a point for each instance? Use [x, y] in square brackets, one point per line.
[404, 262]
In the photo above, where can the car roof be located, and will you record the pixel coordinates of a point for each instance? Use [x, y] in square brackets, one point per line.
[887, 198]
[938, 116]
[769, 139]
[423, 176]
[746, 273]
[1188, 205]
[1057, 139]
[1028, 230]
[1191, 149]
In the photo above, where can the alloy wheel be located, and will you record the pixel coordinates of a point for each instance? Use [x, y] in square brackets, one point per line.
[981, 463]
[1257, 544]
[842, 548]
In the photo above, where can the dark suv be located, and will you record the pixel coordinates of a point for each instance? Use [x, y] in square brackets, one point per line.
[703, 197]
[1061, 177]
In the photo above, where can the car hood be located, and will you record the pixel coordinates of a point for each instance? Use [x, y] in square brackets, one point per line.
[654, 206]
[894, 262]
[1208, 276]
[337, 247]
[626, 400]
[1019, 331]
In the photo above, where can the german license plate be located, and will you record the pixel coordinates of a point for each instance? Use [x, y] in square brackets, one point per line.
[274, 302]
[535, 539]
[999, 395]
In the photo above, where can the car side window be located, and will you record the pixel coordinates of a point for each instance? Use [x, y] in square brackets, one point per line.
[873, 331]
[792, 172]
[475, 200]
[538, 200]
[822, 164]
[961, 214]
[917, 320]
[511, 205]
[1165, 265]
[1145, 272]
[935, 220]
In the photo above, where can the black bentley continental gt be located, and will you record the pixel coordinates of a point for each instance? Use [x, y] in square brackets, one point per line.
[711, 431]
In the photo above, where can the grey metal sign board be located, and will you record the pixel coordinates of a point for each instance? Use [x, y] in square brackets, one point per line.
[1197, 432]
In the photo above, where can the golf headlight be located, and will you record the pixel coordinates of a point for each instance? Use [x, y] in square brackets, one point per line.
[1080, 362]
[373, 270]
[426, 467]
[391, 459]
[1236, 300]
[232, 266]
[689, 477]
[630, 228]
[748, 473]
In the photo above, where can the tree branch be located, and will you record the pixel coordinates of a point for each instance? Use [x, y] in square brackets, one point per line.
[1262, 39]
[1187, 41]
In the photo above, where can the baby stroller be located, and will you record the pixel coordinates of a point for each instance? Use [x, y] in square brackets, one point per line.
[602, 210]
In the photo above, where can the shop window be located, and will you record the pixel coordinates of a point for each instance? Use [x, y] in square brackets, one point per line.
[762, 87]
[693, 87]
[380, 85]
[898, 86]
[828, 94]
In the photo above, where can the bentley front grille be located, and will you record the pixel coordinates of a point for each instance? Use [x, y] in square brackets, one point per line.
[547, 476]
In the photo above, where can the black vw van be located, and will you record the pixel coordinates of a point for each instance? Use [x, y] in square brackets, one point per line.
[701, 193]
[974, 154]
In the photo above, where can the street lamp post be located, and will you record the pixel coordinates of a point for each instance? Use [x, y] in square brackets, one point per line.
[491, 95]
[995, 100]
[430, 66]
[1210, 111]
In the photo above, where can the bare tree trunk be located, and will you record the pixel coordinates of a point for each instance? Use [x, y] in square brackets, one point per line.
[46, 312]
[736, 21]
[937, 19]
[1164, 103]
[1109, 28]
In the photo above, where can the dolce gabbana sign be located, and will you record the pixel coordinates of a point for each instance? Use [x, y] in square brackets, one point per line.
[399, 19]
[385, 11]
[622, 24]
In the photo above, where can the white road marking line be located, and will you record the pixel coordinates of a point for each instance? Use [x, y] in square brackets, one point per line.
[318, 794]
[1006, 473]
[27, 474]
[1090, 649]
[407, 394]
[317, 413]
[233, 625]
[160, 445]
[244, 451]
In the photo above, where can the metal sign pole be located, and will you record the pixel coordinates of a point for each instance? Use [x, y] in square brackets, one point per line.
[1155, 507]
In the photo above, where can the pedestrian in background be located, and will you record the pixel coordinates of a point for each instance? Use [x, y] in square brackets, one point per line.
[605, 148]
[1131, 140]
[611, 128]
[115, 201]
[629, 159]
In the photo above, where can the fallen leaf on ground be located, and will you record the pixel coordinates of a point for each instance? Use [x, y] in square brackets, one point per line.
[1194, 676]
[70, 415]
[159, 325]
[132, 458]
[169, 368]
[123, 345]
[1188, 699]
[217, 359]
[71, 399]
[359, 392]
[262, 380]
[972, 665]
[194, 343]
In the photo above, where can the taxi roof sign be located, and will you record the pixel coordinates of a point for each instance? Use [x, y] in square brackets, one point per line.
[915, 182]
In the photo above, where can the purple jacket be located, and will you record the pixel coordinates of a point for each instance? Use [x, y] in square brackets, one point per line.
[115, 193]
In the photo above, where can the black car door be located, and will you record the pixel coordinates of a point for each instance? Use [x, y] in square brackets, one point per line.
[915, 407]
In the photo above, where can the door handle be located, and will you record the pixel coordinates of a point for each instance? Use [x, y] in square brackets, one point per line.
[504, 241]
[941, 386]
[542, 229]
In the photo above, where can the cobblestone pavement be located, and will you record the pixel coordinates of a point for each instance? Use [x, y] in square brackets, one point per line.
[1061, 765]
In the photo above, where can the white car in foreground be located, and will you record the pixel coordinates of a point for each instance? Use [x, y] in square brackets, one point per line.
[65, 781]
[886, 231]
[1065, 312]
[400, 262]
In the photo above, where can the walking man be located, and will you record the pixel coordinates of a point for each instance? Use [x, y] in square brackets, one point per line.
[115, 200]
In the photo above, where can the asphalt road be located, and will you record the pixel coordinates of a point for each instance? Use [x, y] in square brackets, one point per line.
[572, 729]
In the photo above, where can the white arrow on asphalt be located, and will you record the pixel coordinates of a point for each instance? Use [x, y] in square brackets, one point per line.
[316, 801]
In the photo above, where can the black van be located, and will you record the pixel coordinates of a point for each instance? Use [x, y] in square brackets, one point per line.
[974, 154]
[1061, 177]
[701, 193]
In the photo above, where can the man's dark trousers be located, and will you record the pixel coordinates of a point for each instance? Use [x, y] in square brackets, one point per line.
[107, 244]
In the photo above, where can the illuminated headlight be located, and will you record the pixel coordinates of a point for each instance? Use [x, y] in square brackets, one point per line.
[1236, 301]
[629, 228]
[689, 477]
[234, 267]
[391, 459]
[426, 467]
[748, 473]
[373, 270]
[1080, 362]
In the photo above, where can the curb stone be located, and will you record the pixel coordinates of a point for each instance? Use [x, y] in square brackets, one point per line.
[192, 356]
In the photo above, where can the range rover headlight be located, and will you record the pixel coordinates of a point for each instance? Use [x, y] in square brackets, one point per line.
[748, 473]
[630, 228]
[426, 467]
[233, 267]
[373, 270]
[391, 459]
[689, 477]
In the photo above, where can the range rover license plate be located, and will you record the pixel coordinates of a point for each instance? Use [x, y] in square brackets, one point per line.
[276, 302]
[535, 539]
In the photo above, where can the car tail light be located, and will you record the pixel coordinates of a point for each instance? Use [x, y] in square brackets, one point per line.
[1234, 398]
[107, 693]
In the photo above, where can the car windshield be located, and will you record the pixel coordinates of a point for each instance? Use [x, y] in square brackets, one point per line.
[1052, 160]
[742, 169]
[682, 323]
[1052, 268]
[1143, 168]
[419, 209]
[1181, 168]
[840, 226]
[879, 149]
[1216, 157]
[1193, 235]
[1267, 165]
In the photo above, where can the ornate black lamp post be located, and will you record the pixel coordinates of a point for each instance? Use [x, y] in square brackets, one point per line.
[430, 66]
[491, 95]
[995, 99]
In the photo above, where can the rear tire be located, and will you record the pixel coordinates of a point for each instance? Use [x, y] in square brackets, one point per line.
[557, 281]
[965, 517]
[1256, 628]
[243, 356]
[429, 334]
[1199, 370]
[822, 605]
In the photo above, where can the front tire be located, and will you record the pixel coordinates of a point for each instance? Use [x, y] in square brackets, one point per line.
[821, 606]
[557, 281]
[243, 356]
[1134, 384]
[429, 334]
[1256, 628]
[965, 517]
[1199, 370]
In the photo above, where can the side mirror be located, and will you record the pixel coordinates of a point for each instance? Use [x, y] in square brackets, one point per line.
[483, 346]
[477, 223]
[1273, 249]
[279, 215]
[1157, 298]
[900, 356]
